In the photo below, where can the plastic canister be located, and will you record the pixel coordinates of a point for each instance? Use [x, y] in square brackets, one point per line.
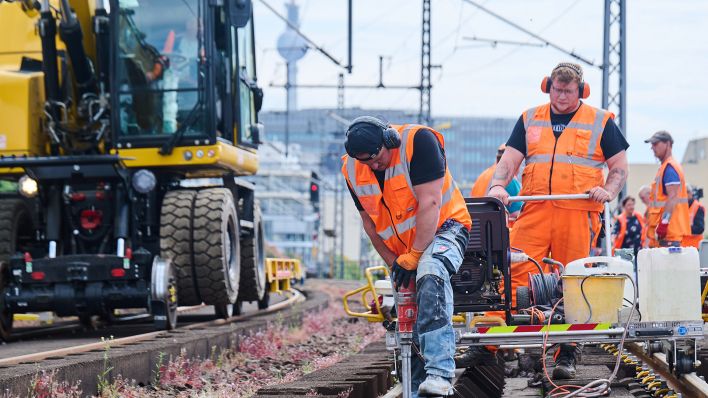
[592, 298]
[669, 284]
[604, 265]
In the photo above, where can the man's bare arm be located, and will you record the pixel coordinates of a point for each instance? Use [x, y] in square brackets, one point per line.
[370, 228]
[429, 197]
[672, 193]
[507, 166]
[617, 176]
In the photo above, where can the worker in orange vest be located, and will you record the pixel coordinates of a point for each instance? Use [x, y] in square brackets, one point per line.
[696, 214]
[417, 220]
[668, 218]
[628, 227]
[566, 144]
[484, 181]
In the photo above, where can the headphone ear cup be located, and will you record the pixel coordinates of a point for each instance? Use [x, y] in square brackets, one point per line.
[546, 85]
[391, 139]
[584, 90]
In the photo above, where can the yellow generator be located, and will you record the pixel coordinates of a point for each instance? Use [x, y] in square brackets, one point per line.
[126, 130]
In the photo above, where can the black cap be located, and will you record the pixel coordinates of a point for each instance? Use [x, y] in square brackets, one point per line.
[662, 135]
[363, 137]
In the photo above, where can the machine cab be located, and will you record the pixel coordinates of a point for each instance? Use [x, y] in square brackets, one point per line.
[184, 74]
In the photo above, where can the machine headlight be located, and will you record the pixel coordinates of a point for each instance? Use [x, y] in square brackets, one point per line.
[144, 181]
[27, 186]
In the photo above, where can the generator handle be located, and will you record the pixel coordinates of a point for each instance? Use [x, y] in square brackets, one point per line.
[577, 196]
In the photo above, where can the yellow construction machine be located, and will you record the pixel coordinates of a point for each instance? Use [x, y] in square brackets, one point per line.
[126, 130]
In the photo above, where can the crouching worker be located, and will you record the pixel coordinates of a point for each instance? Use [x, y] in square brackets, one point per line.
[418, 222]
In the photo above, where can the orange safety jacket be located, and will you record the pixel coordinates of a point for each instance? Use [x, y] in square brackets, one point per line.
[570, 165]
[394, 210]
[693, 240]
[483, 183]
[678, 226]
[622, 220]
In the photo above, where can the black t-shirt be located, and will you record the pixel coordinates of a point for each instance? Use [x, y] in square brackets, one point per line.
[427, 163]
[612, 141]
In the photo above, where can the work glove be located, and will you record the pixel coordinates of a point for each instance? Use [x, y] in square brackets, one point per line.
[662, 229]
[404, 267]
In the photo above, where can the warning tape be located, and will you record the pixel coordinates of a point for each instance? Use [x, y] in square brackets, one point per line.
[544, 328]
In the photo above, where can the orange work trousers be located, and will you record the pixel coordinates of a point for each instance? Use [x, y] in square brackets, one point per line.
[544, 230]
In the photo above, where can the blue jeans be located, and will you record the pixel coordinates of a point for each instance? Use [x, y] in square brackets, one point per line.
[433, 331]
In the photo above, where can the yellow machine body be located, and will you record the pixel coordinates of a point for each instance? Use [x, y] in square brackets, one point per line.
[22, 98]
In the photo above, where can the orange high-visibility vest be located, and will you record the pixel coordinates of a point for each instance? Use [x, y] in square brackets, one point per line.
[678, 226]
[693, 240]
[622, 219]
[483, 183]
[394, 210]
[573, 164]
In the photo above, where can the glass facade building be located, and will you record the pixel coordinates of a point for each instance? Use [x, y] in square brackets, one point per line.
[470, 142]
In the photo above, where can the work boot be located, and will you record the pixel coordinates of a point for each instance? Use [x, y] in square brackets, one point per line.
[435, 386]
[474, 356]
[565, 362]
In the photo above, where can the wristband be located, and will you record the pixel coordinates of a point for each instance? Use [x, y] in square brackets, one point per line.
[495, 185]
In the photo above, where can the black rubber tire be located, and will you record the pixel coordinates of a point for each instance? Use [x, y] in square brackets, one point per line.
[253, 265]
[16, 230]
[176, 242]
[222, 311]
[265, 301]
[5, 315]
[217, 256]
[16, 227]
[523, 297]
[237, 308]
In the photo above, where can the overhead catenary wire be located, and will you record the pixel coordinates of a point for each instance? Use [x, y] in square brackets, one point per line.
[534, 35]
[299, 33]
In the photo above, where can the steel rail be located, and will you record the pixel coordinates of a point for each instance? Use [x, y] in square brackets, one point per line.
[296, 297]
[686, 384]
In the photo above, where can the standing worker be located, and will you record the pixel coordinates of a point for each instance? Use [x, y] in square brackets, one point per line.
[696, 218]
[668, 219]
[417, 220]
[628, 230]
[484, 181]
[566, 144]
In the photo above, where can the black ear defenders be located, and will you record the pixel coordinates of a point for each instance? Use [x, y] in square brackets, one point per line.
[583, 88]
[390, 136]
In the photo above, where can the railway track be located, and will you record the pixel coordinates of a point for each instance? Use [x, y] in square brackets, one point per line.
[640, 376]
[131, 340]
[136, 355]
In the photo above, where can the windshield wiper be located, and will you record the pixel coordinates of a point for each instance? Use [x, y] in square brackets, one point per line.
[170, 144]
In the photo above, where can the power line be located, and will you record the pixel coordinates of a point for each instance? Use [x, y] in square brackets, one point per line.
[532, 34]
[495, 42]
[307, 39]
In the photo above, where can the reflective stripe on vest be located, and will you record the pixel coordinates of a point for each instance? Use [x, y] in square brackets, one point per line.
[596, 129]
[569, 163]
[570, 159]
[679, 225]
[394, 215]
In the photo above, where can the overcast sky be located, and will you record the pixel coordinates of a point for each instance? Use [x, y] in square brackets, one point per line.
[667, 58]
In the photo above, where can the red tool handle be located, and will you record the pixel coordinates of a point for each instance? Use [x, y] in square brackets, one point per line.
[407, 308]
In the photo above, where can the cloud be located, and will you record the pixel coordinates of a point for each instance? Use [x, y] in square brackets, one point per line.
[667, 56]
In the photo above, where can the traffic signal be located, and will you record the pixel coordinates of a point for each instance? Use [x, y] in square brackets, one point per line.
[315, 190]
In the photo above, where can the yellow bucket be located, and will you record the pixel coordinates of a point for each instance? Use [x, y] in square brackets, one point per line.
[604, 293]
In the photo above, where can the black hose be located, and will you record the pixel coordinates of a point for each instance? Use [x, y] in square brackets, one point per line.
[582, 291]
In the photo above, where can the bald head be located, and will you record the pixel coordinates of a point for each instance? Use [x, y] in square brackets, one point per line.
[643, 194]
